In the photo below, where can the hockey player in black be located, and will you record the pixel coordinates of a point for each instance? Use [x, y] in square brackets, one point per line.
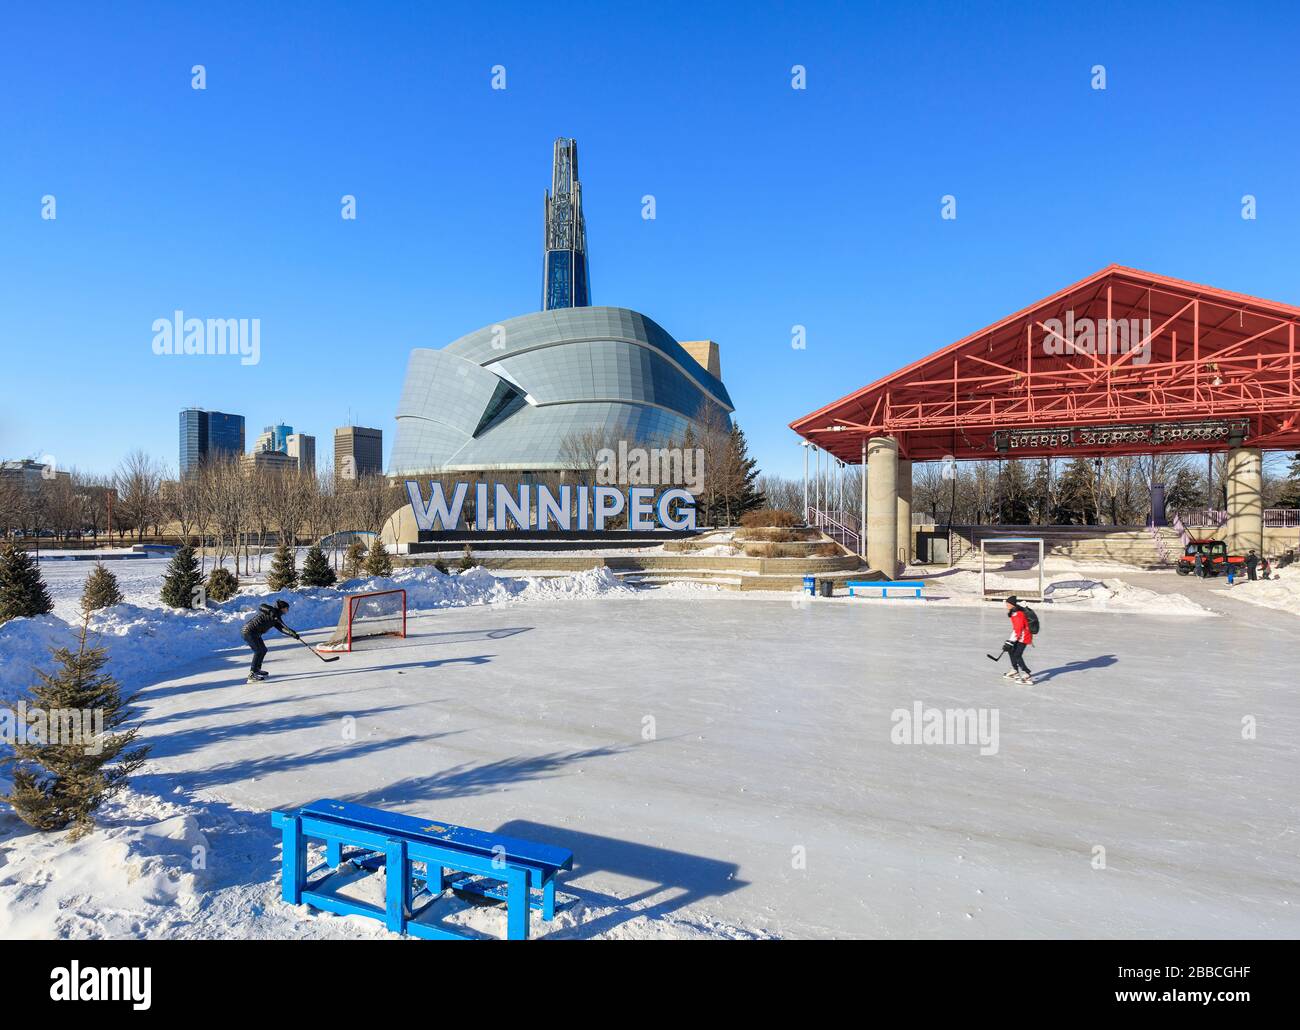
[268, 617]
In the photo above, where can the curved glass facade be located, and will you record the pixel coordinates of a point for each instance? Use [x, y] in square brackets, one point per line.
[508, 396]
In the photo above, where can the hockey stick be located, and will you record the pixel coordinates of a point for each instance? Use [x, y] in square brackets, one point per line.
[991, 658]
[332, 658]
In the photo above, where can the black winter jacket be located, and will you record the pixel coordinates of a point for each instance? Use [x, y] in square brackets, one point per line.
[267, 618]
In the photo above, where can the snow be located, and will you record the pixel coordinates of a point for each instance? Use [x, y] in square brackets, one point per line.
[721, 765]
[1065, 589]
[1282, 591]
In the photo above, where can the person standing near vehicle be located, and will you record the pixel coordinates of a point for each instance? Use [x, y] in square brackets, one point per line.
[1021, 637]
[1198, 565]
[1252, 562]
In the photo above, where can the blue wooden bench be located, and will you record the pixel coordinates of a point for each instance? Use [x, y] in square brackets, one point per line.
[422, 859]
[885, 586]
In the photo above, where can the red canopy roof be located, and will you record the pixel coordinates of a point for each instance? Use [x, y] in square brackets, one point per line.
[1122, 362]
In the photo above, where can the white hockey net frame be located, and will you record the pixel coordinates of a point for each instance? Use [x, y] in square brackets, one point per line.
[388, 624]
[1000, 587]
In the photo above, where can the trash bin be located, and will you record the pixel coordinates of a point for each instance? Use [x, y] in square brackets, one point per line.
[827, 587]
[810, 585]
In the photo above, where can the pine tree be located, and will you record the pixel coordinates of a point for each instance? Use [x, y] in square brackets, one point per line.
[222, 584]
[440, 565]
[182, 582]
[1013, 494]
[378, 563]
[284, 571]
[1075, 504]
[316, 571]
[745, 494]
[101, 590]
[354, 560]
[467, 561]
[1290, 495]
[22, 591]
[59, 782]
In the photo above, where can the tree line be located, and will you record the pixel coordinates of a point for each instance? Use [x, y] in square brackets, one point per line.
[1052, 491]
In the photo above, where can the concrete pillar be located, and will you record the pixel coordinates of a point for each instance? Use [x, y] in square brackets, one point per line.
[862, 518]
[882, 505]
[905, 510]
[1244, 530]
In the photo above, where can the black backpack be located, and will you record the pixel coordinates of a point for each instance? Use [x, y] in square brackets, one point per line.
[1031, 617]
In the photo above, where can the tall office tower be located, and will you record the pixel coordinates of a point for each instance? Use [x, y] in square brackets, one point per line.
[565, 283]
[358, 452]
[274, 438]
[302, 447]
[207, 434]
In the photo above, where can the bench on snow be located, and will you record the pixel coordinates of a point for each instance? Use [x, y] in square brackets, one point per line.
[422, 859]
[885, 586]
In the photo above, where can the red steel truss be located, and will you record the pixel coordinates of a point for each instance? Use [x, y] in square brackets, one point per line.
[1123, 362]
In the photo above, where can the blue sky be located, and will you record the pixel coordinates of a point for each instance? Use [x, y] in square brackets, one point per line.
[775, 207]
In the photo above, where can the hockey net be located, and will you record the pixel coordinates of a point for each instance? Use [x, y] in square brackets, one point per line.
[1012, 565]
[378, 614]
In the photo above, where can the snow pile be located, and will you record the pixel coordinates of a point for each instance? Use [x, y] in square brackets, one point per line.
[175, 869]
[108, 884]
[1281, 592]
[1125, 597]
[958, 586]
[145, 643]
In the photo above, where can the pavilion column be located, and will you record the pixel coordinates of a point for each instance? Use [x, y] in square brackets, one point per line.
[882, 505]
[905, 511]
[862, 523]
[1244, 530]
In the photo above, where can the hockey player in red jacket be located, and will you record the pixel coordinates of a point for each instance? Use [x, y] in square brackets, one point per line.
[1021, 638]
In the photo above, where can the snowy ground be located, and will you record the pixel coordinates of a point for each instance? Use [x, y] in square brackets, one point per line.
[721, 765]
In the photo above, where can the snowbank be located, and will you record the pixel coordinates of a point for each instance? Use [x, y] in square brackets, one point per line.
[1072, 591]
[159, 868]
[145, 643]
[1281, 592]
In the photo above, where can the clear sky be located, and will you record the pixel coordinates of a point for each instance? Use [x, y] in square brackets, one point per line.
[776, 207]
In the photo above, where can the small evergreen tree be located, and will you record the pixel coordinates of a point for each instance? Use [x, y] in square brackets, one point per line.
[222, 584]
[101, 590]
[284, 570]
[378, 562]
[59, 782]
[316, 571]
[747, 495]
[354, 560]
[440, 565]
[466, 560]
[22, 591]
[182, 582]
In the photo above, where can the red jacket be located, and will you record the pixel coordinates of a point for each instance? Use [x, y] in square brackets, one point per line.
[1020, 627]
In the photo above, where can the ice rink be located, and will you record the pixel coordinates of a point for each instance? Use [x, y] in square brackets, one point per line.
[729, 759]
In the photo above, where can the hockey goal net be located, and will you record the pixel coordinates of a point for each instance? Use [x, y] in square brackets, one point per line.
[378, 614]
[1012, 565]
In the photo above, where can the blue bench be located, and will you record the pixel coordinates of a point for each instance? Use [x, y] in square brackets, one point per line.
[885, 586]
[422, 860]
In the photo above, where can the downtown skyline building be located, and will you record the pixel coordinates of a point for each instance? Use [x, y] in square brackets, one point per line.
[206, 434]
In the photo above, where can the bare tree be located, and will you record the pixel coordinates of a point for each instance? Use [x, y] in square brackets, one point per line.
[138, 482]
